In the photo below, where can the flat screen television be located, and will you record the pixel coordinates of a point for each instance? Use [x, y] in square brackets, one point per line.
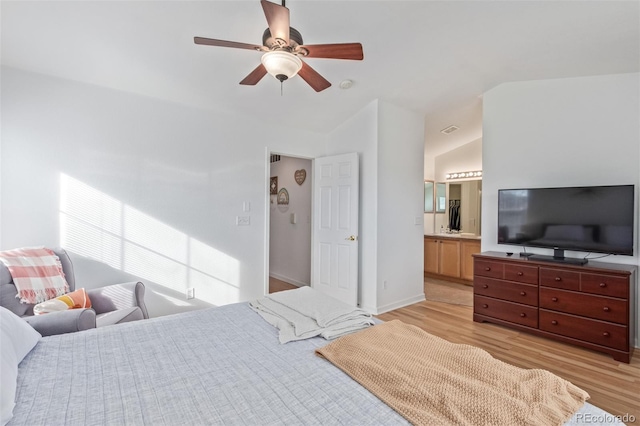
[595, 219]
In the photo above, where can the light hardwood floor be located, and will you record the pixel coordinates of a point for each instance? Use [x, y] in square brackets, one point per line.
[277, 285]
[613, 386]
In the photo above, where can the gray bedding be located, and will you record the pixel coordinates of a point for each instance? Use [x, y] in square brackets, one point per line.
[214, 366]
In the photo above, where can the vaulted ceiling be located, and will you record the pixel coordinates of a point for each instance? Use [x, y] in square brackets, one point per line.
[434, 57]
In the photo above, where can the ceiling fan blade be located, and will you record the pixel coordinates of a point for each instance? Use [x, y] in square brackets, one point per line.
[224, 43]
[255, 76]
[335, 51]
[278, 20]
[311, 76]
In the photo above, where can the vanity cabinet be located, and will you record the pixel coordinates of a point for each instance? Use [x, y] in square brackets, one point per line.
[431, 265]
[450, 257]
[467, 249]
[588, 305]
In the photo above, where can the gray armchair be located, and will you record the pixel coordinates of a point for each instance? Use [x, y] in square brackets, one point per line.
[112, 304]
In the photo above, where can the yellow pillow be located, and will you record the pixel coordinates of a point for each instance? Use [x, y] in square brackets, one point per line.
[75, 300]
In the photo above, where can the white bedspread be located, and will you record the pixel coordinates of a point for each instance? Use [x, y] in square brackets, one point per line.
[304, 312]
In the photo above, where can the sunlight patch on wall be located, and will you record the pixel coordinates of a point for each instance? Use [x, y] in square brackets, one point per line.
[100, 227]
[146, 231]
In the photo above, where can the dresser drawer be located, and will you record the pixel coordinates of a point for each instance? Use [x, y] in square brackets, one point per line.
[488, 268]
[558, 278]
[587, 305]
[507, 311]
[594, 331]
[606, 285]
[521, 273]
[514, 292]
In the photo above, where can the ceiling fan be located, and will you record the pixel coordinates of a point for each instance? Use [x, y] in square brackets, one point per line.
[283, 47]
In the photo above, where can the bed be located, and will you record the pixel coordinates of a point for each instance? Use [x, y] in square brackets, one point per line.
[214, 366]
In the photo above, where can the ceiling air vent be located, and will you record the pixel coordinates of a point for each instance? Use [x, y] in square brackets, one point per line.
[275, 158]
[449, 130]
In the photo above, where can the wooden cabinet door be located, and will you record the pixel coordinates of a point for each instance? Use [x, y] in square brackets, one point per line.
[431, 255]
[449, 257]
[467, 249]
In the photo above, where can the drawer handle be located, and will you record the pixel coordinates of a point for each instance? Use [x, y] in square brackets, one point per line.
[484, 305]
[523, 315]
[485, 286]
[554, 299]
[487, 268]
[558, 279]
[522, 293]
[606, 309]
[520, 274]
[606, 334]
[554, 322]
[603, 285]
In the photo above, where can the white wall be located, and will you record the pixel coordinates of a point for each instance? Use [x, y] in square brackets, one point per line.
[290, 244]
[137, 187]
[466, 158]
[390, 142]
[400, 280]
[564, 132]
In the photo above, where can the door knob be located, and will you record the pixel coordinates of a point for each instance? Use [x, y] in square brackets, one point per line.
[351, 238]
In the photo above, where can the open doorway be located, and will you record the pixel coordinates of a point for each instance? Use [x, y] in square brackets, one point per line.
[290, 193]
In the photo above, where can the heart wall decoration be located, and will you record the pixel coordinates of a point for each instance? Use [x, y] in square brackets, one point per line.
[300, 176]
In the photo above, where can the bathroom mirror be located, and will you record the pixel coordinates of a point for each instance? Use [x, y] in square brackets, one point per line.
[428, 196]
[441, 197]
[464, 206]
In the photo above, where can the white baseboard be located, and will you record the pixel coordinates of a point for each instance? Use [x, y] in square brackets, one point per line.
[395, 305]
[288, 280]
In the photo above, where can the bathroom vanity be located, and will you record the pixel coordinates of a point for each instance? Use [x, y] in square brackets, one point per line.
[450, 256]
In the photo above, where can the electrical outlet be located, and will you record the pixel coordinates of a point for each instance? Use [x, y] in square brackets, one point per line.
[191, 293]
[243, 220]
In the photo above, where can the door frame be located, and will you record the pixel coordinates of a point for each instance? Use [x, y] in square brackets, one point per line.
[267, 216]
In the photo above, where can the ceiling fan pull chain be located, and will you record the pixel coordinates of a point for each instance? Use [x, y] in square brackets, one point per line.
[281, 84]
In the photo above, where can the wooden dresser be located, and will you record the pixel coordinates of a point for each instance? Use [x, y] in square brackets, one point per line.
[589, 305]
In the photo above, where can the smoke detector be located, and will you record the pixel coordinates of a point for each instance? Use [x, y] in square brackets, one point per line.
[449, 130]
[346, 84]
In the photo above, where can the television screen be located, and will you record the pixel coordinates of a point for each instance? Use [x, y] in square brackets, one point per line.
[589, 219]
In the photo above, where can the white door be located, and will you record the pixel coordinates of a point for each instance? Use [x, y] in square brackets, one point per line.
[334, 252]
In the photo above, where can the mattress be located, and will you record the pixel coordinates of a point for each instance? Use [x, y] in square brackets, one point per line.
[213, 366]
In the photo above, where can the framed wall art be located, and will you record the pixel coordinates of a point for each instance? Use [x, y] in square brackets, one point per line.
[300, 176]
[283, 196]
[273, 185]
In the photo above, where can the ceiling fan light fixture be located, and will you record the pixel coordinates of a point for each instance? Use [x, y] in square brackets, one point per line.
[280, 64]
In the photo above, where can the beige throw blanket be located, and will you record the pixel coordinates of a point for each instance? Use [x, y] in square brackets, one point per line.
[431, 381]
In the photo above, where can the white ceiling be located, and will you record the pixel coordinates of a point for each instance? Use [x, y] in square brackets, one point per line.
[434, 57]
